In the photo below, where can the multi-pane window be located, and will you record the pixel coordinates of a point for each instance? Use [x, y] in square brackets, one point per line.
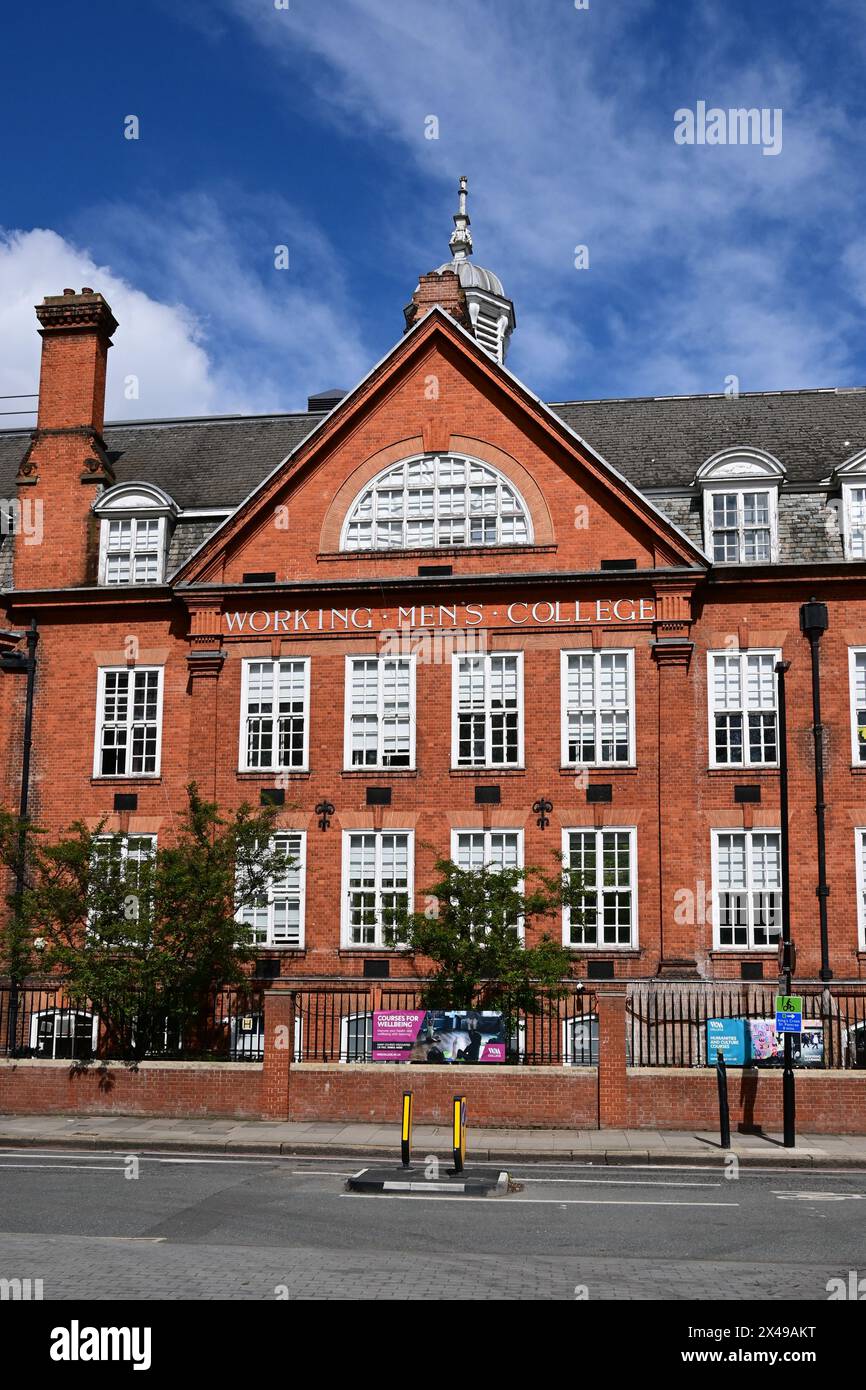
[126, 861]
[860, 850]
[855, 522]
[747, 900]
[128, 718]
[857, 682]
[274, 722]
[492, 849]
[741, 526]
[380, 712]
[132, 550]
[602, 867]
[377, 886]
[437, 500]
[743, 722]
[277, 917]
[488, 711]
[597, 704]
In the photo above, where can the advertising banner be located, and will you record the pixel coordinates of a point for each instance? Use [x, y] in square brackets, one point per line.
[743, 1041]
[452, 1035]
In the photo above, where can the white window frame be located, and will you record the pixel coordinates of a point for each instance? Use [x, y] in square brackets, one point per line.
[596, 654]
[105, 550]
[379, 765]
[517, 831]
[739, 490]
[850, 528]
[59, 1015]
[750, 947]
[853, 653]
[860, 873]
[598, 831]
[388, 506]
[272, 896]
[345, 1021]
[243, 744]
[345, 926]
[132, 672]
[487, 658]
[742, 653]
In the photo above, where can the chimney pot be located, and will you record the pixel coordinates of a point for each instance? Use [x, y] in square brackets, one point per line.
[68, 291]
[86, 290]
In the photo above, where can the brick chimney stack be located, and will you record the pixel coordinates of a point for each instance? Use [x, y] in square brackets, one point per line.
[67, 453]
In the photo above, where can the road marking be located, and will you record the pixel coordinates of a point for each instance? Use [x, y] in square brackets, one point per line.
[65, 1167]
[531, 1201]
[617, 1182]
[820, 1196]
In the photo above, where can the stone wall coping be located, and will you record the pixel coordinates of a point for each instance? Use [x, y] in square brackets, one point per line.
[152, 1064]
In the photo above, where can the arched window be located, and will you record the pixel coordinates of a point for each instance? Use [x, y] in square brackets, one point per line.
[741, 504]
[435, 500]
[135, 524]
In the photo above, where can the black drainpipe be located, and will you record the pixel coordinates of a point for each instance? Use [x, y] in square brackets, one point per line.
[814, 620]
[17, 662]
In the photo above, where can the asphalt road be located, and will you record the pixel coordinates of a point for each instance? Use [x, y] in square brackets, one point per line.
[264, 1229]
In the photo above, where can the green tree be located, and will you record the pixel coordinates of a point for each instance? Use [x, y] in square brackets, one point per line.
[470, 934]
[145, 937]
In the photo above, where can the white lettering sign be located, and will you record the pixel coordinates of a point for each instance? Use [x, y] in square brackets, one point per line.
[543, 613]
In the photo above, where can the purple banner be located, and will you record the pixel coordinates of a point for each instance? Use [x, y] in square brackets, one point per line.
[437, 1035]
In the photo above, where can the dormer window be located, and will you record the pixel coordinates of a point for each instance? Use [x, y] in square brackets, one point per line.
[437, 500]
[851, 478]
[741, 491]
[135, 522]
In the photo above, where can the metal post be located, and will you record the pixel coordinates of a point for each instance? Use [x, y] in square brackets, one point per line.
[459, 1133]
[724, 1111]
[406, 1129]
[788, 1096]
[28, 664]
[814, 620]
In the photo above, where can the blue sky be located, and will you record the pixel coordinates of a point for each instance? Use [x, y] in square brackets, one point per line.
[305, 127]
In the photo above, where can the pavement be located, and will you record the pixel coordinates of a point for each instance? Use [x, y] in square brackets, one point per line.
[135, 1134]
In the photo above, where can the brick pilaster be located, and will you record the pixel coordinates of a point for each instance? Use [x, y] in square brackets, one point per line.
[612, 1075]
[279, 1035]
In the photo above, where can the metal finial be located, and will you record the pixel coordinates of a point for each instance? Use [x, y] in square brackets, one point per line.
[461, 237]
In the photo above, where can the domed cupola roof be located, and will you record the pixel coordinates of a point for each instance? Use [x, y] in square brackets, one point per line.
[480, 303]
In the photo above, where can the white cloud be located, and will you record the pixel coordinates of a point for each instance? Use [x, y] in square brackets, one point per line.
[564, 122]
[158, 342]
[207, 324]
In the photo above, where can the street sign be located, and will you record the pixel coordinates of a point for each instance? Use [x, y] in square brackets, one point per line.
[789, 1013]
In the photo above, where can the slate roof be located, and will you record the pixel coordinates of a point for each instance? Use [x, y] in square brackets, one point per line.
[657, 443]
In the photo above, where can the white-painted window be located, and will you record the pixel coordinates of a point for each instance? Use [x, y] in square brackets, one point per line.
[377, 886]
[380, 712]
[860, 866]
[472, 850]
[128, 860]
[437, 500]
[356, 1038]
[64, 1033]
[747, 896]
[742, 703]
[133, 550]
[487, 698]
[854, 521]
[604, 865]
[277, 917]
[857, 692]
[275, 701]
[128, 722]
[741, 525]
[597, 704]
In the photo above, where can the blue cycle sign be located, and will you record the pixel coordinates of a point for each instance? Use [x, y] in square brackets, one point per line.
[789, 1013]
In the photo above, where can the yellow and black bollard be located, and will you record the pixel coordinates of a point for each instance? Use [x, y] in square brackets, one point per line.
[406, 1129]
[459, 1139]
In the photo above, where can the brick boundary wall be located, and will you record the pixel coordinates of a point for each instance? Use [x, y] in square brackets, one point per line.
[516, 1097]
[175, 1090]
[512, 1097]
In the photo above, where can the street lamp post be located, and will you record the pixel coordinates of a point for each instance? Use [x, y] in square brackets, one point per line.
[789, 1120]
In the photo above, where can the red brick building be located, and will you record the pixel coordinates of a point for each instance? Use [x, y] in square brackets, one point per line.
[430, 605]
